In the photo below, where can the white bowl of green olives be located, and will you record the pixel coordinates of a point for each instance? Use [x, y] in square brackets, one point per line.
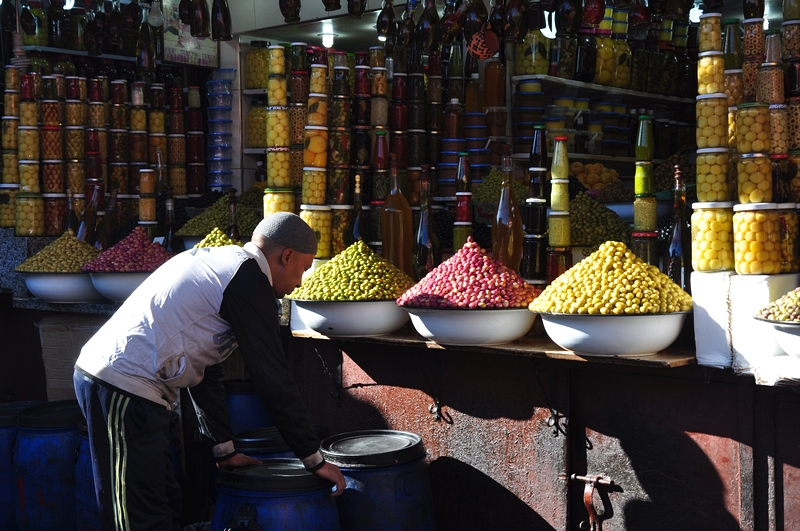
[786, 334]
[614, 335]
[351, 318]
[471, 327]
[117, 286]
[62, 288]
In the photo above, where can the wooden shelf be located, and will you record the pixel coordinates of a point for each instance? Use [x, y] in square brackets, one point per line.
[65, 51]
[631, 95]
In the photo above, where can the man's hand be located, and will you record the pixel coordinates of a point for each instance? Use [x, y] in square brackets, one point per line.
[333, 474]
[239, 460]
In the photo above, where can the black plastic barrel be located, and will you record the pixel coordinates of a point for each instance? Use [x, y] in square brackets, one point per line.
[87, 515]
[278, 495]
[387, 481]
[267, 443]
[44, 466]
[245, 408]
[8, 434]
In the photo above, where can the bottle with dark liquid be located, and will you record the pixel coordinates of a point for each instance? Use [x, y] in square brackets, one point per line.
[507, 227]
[396, 227]
[199, 19]
[169, 222]
[89, 222]
[427, 253]
[72, 218]
[107, 227]
[233, 227]
[358, 227]
[145, 47]
[677, 262]
[221, 21]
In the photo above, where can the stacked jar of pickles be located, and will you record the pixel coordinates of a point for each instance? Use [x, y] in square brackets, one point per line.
[29, 208]
[176, 142]
[645, 208]
[337, 188]
[10, 183]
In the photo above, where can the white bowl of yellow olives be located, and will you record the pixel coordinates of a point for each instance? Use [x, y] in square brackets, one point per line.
[62, 288]
[351, 318]
[614, 335]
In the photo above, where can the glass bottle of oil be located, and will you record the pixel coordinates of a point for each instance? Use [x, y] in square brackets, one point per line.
[396, 226]
[507, 227]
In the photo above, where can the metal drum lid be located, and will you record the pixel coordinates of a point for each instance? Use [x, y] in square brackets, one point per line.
[273, 475]
[52, 415]
[268, 439]
[372, 448]
[11, 410]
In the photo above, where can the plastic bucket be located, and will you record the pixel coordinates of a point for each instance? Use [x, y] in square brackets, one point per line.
[278, 495]
[267, 443]
[8, 434]
[387, 480]
[87, 515]
[245, 408]
[44, 466]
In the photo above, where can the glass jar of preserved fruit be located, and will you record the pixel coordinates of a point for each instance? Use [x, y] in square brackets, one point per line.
[769, 83]
[35, 34]
[789, 240]
[711, 125]
[257, 65]
[278, 167]
[313, 189]
[669, 69]
[29, 176]
[779, 129]
[756, 232]
[710, 73]
[319, 79]
[52, 142]
[318, 218]
[8, 195]
[790, 42]
[563, 57]
[10, 167]
[338, 185]
[533, 55]
[712, 175]
[645, 213]
[55, 214]
[278, 200]
[712, 236]
[558, 231]
[276, 63]
[605, 65]
[256, 126]
[753, 118]
[277, 90]
[53, 176]
[710, 33]
[341, 219]
[622, 55]
[754, 42]
[317, 109]
[754, 177]
[734, 87]
[154, 143]
[277, 127]
[28, 143]
[315, 147]
[29, 215]
[28, 113]
[339, 142]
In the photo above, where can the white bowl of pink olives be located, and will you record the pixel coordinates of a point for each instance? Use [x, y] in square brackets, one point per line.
[471, 327]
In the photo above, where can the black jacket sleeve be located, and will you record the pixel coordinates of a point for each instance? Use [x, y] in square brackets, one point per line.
[209, 395]
[248, 304]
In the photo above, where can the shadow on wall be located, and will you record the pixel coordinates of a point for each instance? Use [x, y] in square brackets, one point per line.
[456, 486]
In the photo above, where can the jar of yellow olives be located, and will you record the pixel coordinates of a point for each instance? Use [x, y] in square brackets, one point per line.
[138, 119]
[257, 66]
[10, 167]
[277, 127]
[753, 128]
[314, 182]
[341, 218]
[278, 200]
[318, 218]
[712, 175]
[256, 126]
[711, 73]
[277, 90]
[319, 79]
[28, 147]
[756, 238]
[315, 146]
[712, 236]
[29, 113]
[732, 112]
[8, 195]
[623, 59]
[606, 65]
[278, 168]
[789, 240]
[276, 62]
[29, 215]
[711, 126]
[754, 178]
[778, 128]
[710, 33]
[734, 86]
[533, 55]
[29, 176]
[10, 136]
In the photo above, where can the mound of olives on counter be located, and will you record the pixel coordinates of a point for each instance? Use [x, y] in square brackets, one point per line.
[594, 223]
[355, 274]
[65, 255]
[787, 308]
[217, 216]
[135, 252]
[612, 280]
[470, 279]
[216, 238]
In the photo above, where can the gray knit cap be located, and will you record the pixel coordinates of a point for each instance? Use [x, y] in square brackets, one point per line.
[289, 230]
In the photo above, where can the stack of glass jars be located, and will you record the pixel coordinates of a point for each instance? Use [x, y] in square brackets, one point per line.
[559, 238]
[713, 238]
[644, 242]
[299, 85]
[435, 116]
[176, 142]
[219, 151]
[195, 143]
[622, 52]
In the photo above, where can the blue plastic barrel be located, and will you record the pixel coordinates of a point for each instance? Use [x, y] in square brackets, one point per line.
[278, 495]
[8, 434]
[87, 515]
[44, 466]
[387, 481]
[267, 443]
[245, 408]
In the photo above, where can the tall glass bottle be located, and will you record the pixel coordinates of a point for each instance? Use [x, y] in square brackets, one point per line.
[199, 19]
[221, 21]
[145, 48]
[427, 253]
[507, 235]
[169, 222]
[645, 142]
[538, 156]
[358, 219]
[677, 265]
[72, 218]
[732, 44]
[233, 227]
[427, 32]
[463, 183]
[406, 27]
[89, 222]
[396, 227]
[474, 96]
[108, 225]
[560, 167]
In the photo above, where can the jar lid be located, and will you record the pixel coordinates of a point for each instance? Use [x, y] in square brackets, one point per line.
[752, 20]
[319, 65]
[146, 170]
[277, 108]
[712, 150]
[554, 118]
[644, 234]
[54, 196]
[769, 65]
[114, 164]
[342, 207]
[31, 127]
[299, 73]
[190, 133]
[709, 96]
[712, 204]
[558, 214]
[275, 47]
[560, 181]
[176, 136]
[28, 162]
[778, 106]
[646, 196]
[277, 76]
[269, 150]
[148, 223]
[299, 44]
[754, 206]
[310, 168]
[560, 138]
[708, 15]
[159, 135]
[534, 236]
[787, 206]
[362, 67]
[790, 22]
[710, 53]
[462, 223]
[753, 155]
[733, 71]
[463, 194]
[61, 162]
[323, 128]
[138, 132]
[400, 74]
[110, 130]
[537, 200]
[647, 162]
[753, 104]
[8, 186]
[779, 156]
[278, 190]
